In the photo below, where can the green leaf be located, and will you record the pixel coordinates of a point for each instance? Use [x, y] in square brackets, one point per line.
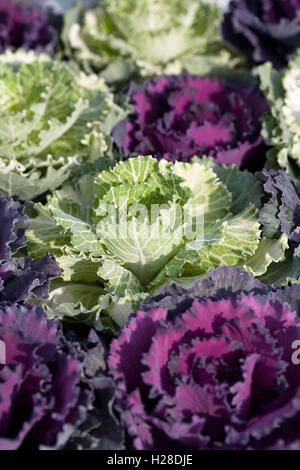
[121, 282]
[282, 273]
[75, 303]
[269, 251]
[243, 186]
[78, 267]
[79, 222]
[241, 240]
[45, 236]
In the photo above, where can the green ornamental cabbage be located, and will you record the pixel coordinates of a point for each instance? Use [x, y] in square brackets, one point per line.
[52, 119]
[135, 227]
[121, 37]
[282, 122]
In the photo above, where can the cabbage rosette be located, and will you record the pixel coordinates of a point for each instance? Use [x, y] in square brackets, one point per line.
[180, 116]
[52, 119]
[122, 38]
[122, 235]
[213, 367]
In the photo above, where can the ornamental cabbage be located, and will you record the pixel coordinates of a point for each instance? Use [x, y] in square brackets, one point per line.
[178, 117]
[282, 122]
[210, 368]
[264, 30]
[52, 119]
[148, 37]
[25, 26]
[21, 278]
[122, 235]
[49, 387]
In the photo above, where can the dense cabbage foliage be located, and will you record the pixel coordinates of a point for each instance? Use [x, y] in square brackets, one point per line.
[49, 386]
[125, 233]
[210, 368]
[264, 30]
[180, 116]
[150, 226]
[52, 119]
[124, 37]
[282, 123]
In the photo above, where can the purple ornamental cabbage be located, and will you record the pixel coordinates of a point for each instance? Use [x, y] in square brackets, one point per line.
[28, 27]
[20, 278]
[39, 384]
[211, 368]
[264, 30]
[52, 391]
[281, 213]
[178, 117]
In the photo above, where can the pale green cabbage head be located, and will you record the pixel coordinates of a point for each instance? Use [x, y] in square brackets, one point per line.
[52, 119]
[120, 37]
[114, 251]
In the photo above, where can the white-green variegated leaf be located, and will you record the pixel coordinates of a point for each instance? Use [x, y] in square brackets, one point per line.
[236, 240]
[75, 302]
[282, 122]
[241, 240]
[119, 308]
[121, 282]
[45, 235]
[243, 186]
[79, 221]
[283, 272]
[27, 187]
[145, 248]
[210, 197]
[78, 267]
[269, 251]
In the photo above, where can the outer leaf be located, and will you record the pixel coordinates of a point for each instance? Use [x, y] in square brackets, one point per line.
[45, 235]
[241, 239]
[283, 273]
[121, 281]
[269, 251]
[243, 186]
[80, 222]
[75, 302]
[79, 267]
